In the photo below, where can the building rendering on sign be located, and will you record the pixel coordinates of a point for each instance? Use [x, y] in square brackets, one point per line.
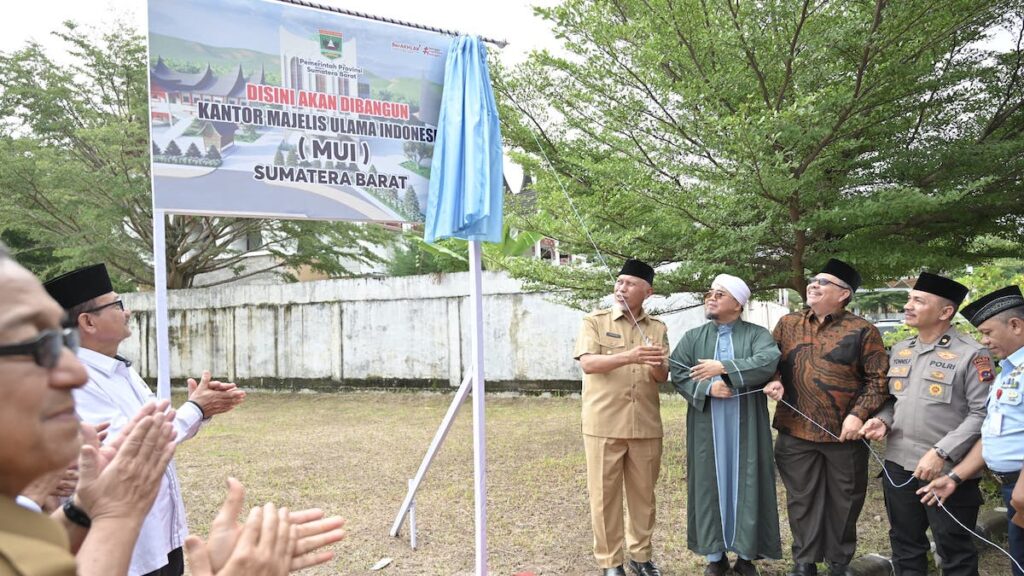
[168, 86]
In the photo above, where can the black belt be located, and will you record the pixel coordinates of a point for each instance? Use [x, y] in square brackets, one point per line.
[1006, 477]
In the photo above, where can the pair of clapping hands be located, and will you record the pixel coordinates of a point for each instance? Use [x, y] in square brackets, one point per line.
[272, 541]
[118, 482]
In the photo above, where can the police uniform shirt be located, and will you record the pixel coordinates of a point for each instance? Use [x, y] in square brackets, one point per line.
[940, 391]
[622, 403]
[1002, 443]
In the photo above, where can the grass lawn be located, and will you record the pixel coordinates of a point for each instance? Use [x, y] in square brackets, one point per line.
[352, 453]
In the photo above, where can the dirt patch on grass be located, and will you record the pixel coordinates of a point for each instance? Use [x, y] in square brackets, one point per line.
[353, 453]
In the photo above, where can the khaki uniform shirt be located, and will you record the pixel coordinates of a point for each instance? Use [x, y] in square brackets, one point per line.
[32, 544]
[939, 392]
[622, 403]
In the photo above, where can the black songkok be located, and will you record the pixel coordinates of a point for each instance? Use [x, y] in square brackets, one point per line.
[80, 285]
[639, 269]
[843, 271]
[941, 286]
[991, 304]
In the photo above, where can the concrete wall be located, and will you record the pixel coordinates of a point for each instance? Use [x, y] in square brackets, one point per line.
[382, 332]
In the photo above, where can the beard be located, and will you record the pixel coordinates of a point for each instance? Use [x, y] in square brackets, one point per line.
[711, 315]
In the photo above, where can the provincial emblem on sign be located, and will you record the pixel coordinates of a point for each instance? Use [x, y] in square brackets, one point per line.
[935, 390]
[938, 375]
[897, 385]
[946, 355]
[904, 353]
[330, 43]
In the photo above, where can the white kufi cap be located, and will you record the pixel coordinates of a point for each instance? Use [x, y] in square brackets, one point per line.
[733, 285]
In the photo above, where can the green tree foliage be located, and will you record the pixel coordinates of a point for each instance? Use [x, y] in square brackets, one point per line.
[193, 151]
[761, 138]
[212, 153]
[413, 256]
[75, 180]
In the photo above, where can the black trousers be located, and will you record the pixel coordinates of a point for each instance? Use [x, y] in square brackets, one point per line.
[175, 565]
[826, 483]
[909, 519]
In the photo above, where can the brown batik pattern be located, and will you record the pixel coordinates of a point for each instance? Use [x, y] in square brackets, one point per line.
[829, 369]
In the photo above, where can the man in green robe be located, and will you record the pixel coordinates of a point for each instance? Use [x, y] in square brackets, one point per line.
[721, 368]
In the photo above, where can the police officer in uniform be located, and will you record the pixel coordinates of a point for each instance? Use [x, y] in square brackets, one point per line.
[623, 354]
[939, 380]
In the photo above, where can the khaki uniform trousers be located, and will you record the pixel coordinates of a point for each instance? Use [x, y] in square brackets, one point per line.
[611, 464]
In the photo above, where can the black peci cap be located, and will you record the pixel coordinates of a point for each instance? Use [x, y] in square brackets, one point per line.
[991, 304]
[941, 286]
[843, 271]
[639, 269]
[80, 285]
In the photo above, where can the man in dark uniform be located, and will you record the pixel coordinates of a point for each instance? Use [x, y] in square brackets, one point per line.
[939, 381]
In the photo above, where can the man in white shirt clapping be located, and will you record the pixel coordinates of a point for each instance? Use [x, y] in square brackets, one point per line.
[115, 392]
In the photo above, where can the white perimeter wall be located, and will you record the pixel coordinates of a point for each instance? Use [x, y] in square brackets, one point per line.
[374, 331]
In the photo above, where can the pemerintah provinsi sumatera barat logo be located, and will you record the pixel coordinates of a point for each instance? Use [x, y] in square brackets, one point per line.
[330, 43]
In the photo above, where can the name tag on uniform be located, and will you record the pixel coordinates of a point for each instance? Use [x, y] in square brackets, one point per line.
[613, 334]
[994, 423]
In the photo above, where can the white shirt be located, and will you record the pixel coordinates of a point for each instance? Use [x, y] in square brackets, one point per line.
[114, 394]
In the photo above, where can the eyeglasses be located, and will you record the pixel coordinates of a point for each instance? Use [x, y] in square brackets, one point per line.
[714, 295]
[47, 348]
[826, 282]
[118, 303]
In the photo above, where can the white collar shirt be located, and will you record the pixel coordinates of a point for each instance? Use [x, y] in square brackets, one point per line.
[115, 393]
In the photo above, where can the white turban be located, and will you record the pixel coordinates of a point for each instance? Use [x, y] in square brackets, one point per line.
[733, 285]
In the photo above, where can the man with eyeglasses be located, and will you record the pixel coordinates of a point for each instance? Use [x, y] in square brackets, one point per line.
[719, 367]
[41, 434]
[833, 371]
[939, 380]
[115, 392]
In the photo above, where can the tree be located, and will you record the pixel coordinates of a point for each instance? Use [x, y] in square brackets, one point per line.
[212, 153]
[172, 149]
[762, 138]
[193, 151]
[417, 152]
[156, 149]
[411, 204]
[75, 180]
[291, 159]
[278, 158]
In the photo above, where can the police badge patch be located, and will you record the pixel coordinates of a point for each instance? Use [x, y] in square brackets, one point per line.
[983, 364]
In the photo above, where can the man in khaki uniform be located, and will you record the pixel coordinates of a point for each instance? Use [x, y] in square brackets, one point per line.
[623, 354]
[939, 382]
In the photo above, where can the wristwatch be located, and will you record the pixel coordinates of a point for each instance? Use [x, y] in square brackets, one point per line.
[942, 453]
[76, 515]
[955, 478]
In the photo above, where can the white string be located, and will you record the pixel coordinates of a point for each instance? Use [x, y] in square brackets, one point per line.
[647, 341]
[590, 238]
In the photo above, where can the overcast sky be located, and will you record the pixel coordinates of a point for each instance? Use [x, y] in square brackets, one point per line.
[510, 20]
